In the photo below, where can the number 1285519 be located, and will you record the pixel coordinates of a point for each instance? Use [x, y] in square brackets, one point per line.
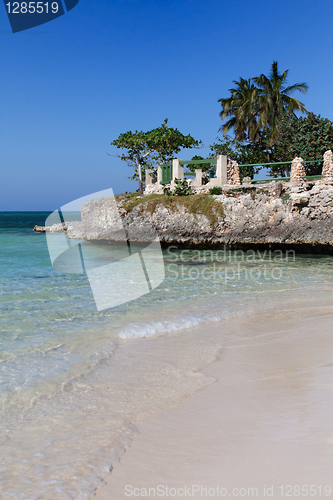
[32, 7]
[305, 490]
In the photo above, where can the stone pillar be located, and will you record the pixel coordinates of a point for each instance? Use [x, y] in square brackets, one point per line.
[297, 170]
[159, 175]
[221, 170]
[177, 170]
[233, 173]
[328, 165]
[149, 178]
[198, 177]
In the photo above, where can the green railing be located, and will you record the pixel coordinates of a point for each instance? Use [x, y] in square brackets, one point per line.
[197, 162]
[276, 163]
[167, 168]
[270, 179]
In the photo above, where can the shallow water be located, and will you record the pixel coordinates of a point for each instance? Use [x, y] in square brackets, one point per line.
[73, 380]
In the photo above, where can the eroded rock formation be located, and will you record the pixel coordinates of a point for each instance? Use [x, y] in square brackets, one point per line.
[298, 214]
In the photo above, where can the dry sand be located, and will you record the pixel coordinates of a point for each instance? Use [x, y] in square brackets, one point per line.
[266, 421]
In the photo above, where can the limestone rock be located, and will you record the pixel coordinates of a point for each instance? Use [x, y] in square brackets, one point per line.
[302, 216]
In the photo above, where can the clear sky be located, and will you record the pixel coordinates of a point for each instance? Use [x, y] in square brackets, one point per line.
[71, 86]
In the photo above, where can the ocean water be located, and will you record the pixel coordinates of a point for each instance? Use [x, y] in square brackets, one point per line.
[73, 381]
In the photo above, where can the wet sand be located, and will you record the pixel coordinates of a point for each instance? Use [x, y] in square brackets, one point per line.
[263, 429]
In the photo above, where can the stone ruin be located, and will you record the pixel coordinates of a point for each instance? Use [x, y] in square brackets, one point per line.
[228, 173]
[233, 173]
[328, 165]
[297, 170]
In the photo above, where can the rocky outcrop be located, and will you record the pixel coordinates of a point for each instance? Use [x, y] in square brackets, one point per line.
[56, 228]
[297, 214]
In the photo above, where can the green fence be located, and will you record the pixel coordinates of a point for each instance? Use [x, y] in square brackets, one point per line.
[167, 168]
[197, 162]
[308, 177]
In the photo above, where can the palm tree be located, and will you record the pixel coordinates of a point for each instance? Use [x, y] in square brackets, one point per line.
[274, 100]
[241, 109]
[256, 104]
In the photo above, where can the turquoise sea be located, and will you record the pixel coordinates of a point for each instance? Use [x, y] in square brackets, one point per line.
[73, 380]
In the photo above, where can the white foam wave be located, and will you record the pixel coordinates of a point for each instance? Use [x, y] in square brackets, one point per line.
[149, 329]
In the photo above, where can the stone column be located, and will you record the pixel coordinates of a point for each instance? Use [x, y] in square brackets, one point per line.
[297, 170]
[233, 173]
[221, 170]
[328, 165]
[177, 170]
[149, 179]
[159, 175]
[198, 177]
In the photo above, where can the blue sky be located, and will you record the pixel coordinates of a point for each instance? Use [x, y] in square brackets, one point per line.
[69, 87]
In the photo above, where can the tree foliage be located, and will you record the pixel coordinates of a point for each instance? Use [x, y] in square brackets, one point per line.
[261, 112]
[255, 105]
[146, 149]
[241, 110]
[243, 153]
[205, 167]
[274, 100]
[306, 137]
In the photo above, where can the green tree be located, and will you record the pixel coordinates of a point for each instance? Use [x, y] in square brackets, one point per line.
[205, 167]
[241, 110]
[243, 153]
[308, 137]
[274, 100]
[145, 149]
[255, 106]
[225, 146]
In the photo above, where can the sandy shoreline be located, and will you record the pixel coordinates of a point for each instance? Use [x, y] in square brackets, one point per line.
[265, 423]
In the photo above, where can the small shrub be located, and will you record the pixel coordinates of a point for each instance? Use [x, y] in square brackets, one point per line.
[182, 188]
[285, 197]
[215, 190]
[167, 191]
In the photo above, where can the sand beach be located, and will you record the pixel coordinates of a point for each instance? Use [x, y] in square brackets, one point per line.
[262, 428]
[217, 378]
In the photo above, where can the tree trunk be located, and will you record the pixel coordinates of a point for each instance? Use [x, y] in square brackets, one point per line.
[140, 180]
[268, 155]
